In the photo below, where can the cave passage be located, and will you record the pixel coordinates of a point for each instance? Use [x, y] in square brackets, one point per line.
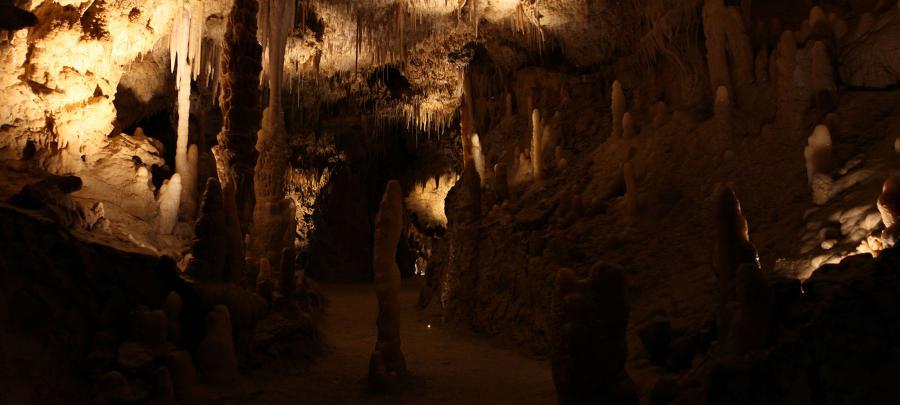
[598, 202]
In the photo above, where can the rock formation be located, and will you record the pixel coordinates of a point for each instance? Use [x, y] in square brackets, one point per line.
[216, 356]
[241, 63]
[588, 343]
[387, 364]
[169, 200]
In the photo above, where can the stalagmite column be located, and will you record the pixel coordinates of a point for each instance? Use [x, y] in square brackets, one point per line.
[461, 275]
[184, 47]
[732, 245]
[236, 153]
[537, 145]
[387, 362]
[787, 111]
[588, 345]
[745, 299]
[714, 17]
[618, 108]
[271, 212]
[209, 261]
[727, 40]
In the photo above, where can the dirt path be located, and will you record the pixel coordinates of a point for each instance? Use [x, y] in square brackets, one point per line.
[448, 367]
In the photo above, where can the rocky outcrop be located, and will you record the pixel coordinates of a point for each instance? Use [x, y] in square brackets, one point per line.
[834, 342]
[871, 59]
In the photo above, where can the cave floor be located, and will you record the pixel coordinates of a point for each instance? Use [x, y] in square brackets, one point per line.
[447, 366]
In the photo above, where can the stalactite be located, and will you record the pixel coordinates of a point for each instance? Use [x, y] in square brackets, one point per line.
[387, 363]
[236, 153]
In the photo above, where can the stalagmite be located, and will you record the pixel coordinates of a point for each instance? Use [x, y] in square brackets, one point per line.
[787, 108]
[731, 250]
[478, 158]
[817, 19]
[732, 245]
[209, 262]
[627, 126]
[745, 300]
[740, 50]
[723, 113]
[818, 152]
[168, 200]
[716, 56]
[509, 106]
[387, 363]
[631, 197]
[618, 108]
[241, 64]
[216, 357]
[588, 346]
[822, 79]
[459, 278]
[838, 25]
[537, 145]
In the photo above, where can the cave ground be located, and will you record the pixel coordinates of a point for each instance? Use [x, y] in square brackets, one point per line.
[448, 366]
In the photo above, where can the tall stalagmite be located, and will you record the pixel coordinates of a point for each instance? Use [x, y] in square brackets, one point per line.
[272, 211]
[241, 63]
[387, 363]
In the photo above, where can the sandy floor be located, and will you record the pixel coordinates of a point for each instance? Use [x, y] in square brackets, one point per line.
[448, 367]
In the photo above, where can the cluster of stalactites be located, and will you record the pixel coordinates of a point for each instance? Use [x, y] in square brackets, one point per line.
[184, 52]
[276, 23]
[186, 38]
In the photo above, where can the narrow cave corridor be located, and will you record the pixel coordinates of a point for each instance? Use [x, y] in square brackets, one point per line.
[449, 202]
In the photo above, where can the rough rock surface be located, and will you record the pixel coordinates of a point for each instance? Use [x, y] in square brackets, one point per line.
[872, 60]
